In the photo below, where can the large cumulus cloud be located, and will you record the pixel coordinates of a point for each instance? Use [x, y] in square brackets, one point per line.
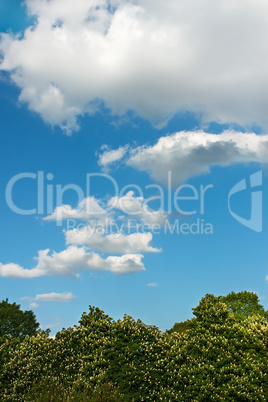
[187, 154]
[154, 57]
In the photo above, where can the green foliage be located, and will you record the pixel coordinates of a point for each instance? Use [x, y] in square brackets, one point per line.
[15, 322]
[134, 347]
[211, 310]
[115, 351]
[216, 356]
[220, 361]
[244, 304]
[180, 327]
[51, 390]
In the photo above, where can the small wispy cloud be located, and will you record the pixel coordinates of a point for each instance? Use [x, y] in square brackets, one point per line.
[87, 209]
[55, 297]
[109, 156]
[34, 305]
[152, 285]
[48, 297]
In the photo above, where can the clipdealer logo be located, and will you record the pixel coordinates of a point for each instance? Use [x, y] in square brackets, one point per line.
[255, 221]
[186, 200]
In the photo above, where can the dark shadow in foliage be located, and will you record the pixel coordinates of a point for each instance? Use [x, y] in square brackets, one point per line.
[244, 304]
[180, 327]
[49, 390]
[15, 322]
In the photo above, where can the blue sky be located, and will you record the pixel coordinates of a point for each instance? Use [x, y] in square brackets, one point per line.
[132, 95]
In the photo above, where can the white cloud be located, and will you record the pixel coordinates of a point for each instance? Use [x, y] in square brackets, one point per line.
[87, 209]
[16, 271]
[152, 285]
[187, 154]
[33, 305]
[151, 56]
[90, 210]
[138, 207]
[104, 232]
[110, 156]
[72, 261]
[111, 243]
[55, 297]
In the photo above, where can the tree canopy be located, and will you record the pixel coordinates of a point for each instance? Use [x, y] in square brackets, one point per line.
[244, 304]
[216, 356]
[15, 322]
